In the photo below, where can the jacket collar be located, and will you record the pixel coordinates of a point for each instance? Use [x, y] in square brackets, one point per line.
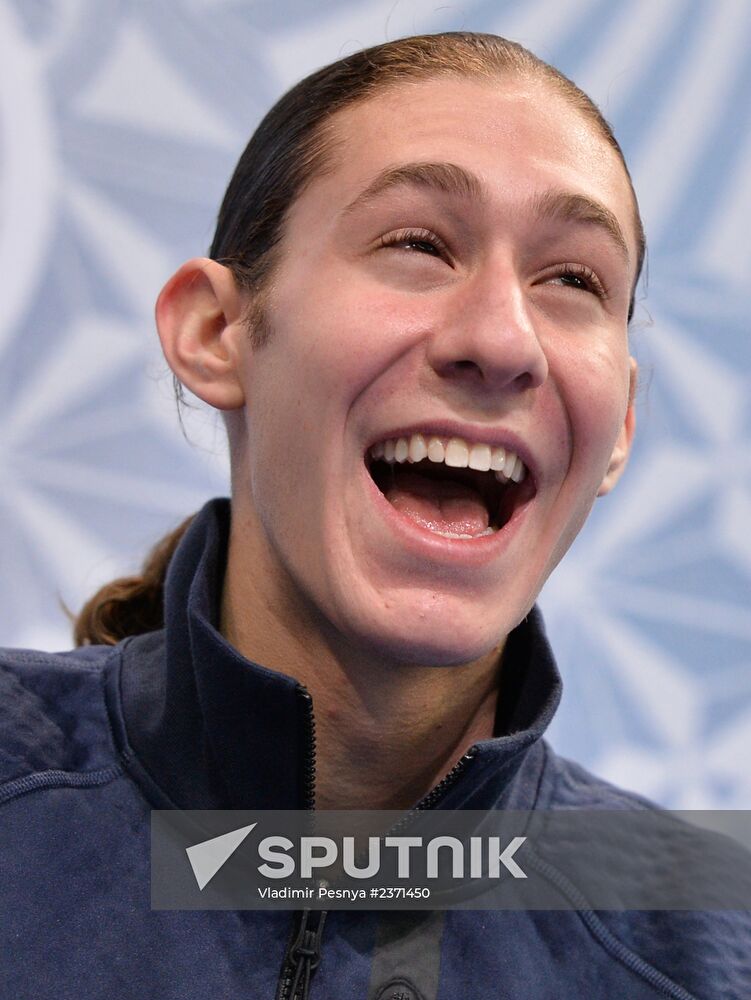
[207, 728]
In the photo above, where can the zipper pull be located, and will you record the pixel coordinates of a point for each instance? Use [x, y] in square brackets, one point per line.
[304, 955]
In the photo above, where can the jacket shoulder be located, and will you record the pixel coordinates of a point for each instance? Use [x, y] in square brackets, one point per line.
[53, 714]
[569, 785]
[703, 952]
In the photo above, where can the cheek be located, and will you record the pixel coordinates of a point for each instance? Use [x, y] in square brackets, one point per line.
[344, 345]
[594, 385]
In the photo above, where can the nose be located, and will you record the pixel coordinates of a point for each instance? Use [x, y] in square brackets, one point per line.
[488, 340]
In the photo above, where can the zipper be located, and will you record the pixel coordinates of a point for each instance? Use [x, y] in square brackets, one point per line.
[436, 794]
[302, 957]
[309, 753]
[303, 952]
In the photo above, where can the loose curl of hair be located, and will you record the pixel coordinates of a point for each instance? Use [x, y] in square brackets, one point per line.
[296, 142]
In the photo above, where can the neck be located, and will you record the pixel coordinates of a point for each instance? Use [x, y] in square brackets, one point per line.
[386, 733]
[384, 745]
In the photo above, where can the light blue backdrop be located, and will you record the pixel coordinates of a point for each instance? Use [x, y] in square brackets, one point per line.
[120, 123]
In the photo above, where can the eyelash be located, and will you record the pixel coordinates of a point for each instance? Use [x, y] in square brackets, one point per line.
[404, 237]
[584, 274]
[425, 236]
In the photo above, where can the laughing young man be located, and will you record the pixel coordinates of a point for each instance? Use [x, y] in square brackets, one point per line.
[414, 319]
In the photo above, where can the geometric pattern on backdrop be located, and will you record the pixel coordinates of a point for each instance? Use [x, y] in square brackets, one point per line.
[119, 126]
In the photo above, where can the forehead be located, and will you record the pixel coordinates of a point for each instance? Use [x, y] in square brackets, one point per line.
[520, 137]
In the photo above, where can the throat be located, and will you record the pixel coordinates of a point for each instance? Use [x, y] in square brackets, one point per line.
[390, 750]
[447, 507]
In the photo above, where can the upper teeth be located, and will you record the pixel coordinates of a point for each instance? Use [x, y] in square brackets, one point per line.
[455, 452]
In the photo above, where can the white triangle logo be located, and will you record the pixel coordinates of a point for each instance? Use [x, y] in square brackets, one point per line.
[208, 857]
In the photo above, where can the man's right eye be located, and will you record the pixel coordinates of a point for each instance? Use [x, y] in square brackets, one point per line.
[421, 240]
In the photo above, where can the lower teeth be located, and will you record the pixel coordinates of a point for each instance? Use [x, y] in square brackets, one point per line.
[451, 534]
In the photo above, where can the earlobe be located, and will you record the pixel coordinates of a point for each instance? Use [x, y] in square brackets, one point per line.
[199, 316]
[622, 447]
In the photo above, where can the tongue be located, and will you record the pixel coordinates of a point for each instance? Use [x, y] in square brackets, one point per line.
[439, 505]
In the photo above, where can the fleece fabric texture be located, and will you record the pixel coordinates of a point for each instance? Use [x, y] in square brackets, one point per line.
[91, 740]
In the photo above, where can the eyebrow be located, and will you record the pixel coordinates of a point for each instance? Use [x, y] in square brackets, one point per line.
[448, 178]
[579, 208]
[451, 179]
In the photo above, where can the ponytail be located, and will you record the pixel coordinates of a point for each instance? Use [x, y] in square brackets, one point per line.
[130, 605]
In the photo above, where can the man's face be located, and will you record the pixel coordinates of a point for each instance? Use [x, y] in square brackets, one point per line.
[482, 298]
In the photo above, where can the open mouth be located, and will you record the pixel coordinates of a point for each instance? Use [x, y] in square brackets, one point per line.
[452, 487]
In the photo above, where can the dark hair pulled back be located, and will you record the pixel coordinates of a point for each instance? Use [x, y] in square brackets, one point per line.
[295, 142]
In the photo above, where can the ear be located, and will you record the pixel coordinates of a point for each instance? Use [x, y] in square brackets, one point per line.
[200, 318]
[622, 446]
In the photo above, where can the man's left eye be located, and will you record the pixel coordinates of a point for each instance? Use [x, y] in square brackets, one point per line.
[580, 277]
[424, 246]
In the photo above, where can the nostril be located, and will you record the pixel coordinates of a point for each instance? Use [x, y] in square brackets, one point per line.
[521, 381]
[471, 368]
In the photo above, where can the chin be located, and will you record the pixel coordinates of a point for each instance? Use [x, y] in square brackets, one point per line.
[433, 644]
